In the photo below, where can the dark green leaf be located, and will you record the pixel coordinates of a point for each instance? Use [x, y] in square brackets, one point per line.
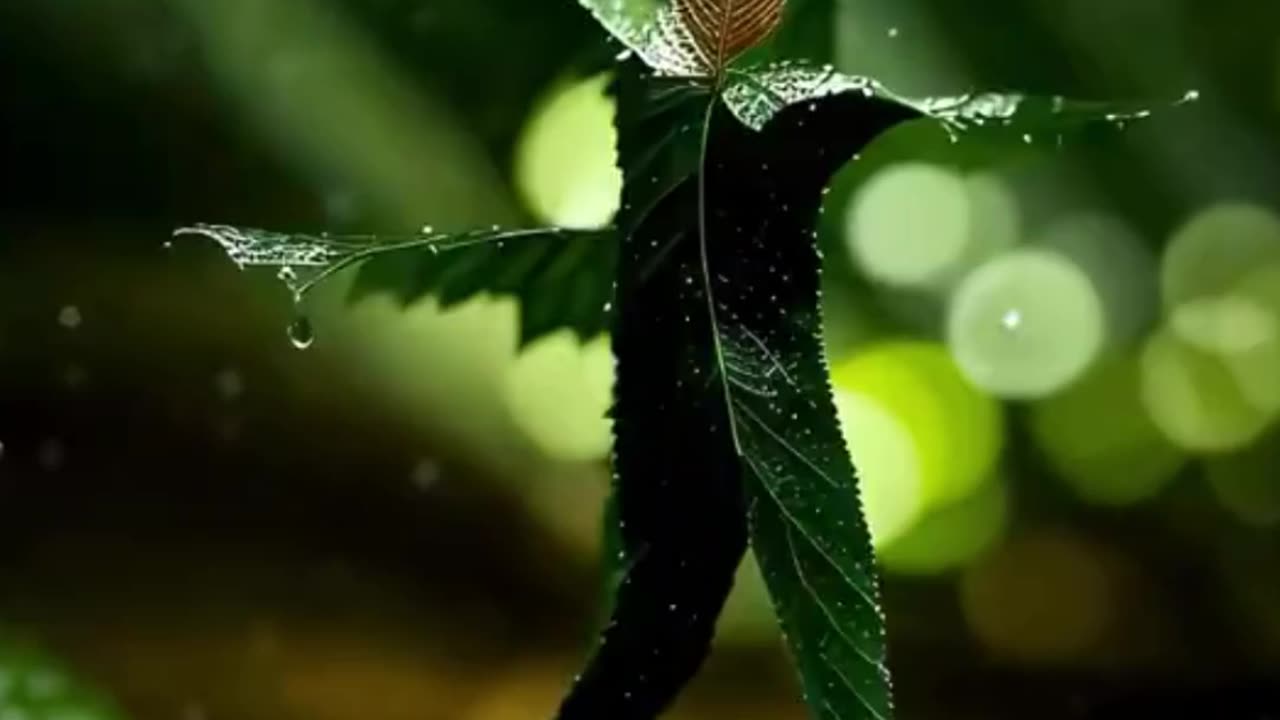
[764, 191]
[562, 278]
[681, 521]
[722, 398]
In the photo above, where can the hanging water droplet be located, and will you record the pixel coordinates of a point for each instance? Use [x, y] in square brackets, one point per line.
[428, 229]
[301, 334]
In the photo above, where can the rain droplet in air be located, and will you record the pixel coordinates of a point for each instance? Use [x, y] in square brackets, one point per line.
[229, 383]
[69, 317]
[301, 334]
[893, 32]
[425, 474]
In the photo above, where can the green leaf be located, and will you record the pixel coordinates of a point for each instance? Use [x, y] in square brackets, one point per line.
[681, 527]
[762, 284]
[759, 93]
[562, 278]
[723, 409]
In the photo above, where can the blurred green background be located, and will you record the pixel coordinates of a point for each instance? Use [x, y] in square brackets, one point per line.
[1058, 370]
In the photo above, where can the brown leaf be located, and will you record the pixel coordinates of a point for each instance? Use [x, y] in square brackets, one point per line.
[721, 30]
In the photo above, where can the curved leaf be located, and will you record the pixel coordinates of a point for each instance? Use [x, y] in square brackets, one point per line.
[763, 267]
[756, 95]
[677, 491]
[723, 410]
[561, 278]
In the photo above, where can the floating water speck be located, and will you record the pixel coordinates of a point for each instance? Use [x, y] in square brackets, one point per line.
[75, 376]
[230, 384]
[69, 317]
[893, 32]
[51, 456]
[425, 474]
[301, 334]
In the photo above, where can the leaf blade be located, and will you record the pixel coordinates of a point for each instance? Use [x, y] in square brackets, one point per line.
[697, 429]
[561, 278]
[677, 487]
[806, 524]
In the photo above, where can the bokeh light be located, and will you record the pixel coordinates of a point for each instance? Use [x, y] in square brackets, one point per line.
[955, 432]
[970, 218]
[1026, 324]
[565, 162]
[35, 686]
[1222, 325]
[1099, 439]
[888, 462]
[1042, 598]
[558, 391]
[1255, 365]
[951, 536]
[748, 619]
[894, 240]
[1118, 264]
[1246, 483]
[1216, 249]
[1194, 398]
[995, 218]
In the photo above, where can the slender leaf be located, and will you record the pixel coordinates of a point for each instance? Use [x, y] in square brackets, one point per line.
[763, 270]
[562, 278]
[677, 491]
[757, 94]
[722, 396]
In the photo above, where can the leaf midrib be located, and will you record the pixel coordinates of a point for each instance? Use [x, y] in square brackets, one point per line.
[708, 290]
